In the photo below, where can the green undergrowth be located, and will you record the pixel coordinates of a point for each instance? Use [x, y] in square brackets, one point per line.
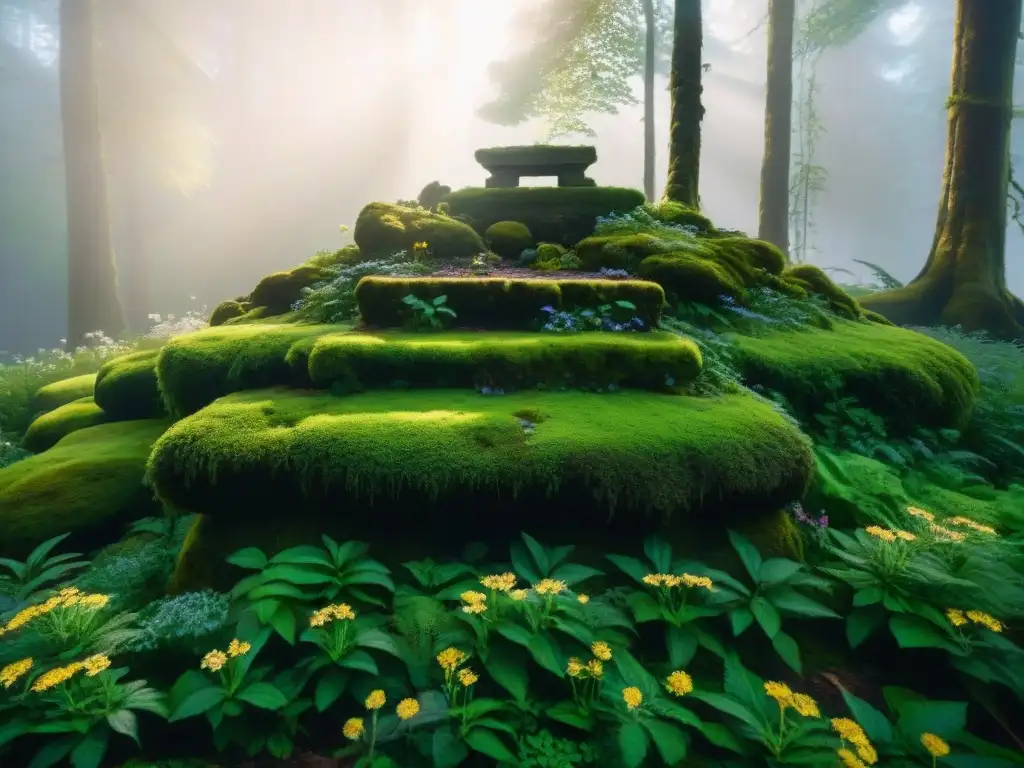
[126, 387]
[907, 377]
[355, 361]
[383, 228]
[661, 454]
[196, 369]
[495, 303]
[63, 392]
[89, 483]
[50, 427]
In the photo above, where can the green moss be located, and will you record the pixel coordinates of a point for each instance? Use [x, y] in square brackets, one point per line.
[89, 484]
[348, 256]
[672, 212]
[536, 154]
[854, 489]
[508, 239]
[279, 291]
[50, 427]
[814, 280]
[907, 377]
[439, 451]
[690, 277]
[618, 251]
[252, 315]
[195, 369]
[63, 392]
[874, 317]
[126, 387]
[550, 252]
[384, 228]
[355, 362]
[563, 215]
[225, 311]
[499, 303]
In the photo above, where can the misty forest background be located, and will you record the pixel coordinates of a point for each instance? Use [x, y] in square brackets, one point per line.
[239, 134]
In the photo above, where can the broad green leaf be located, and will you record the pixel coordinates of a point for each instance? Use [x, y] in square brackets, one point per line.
[788, 651]
[38, 555]
[328, 688]
[790, 601]
[766, 615]
[89, 752]
[303, 554]
[360, 660]
[378, 640]
[644, 607]
[875, 724]
[748, 553]
[298, 574]
[506, 664]
[912, 632]
[283, 622]
[517, 634]
[197, 703]
[570, 713]
[250, 557]
[670, 741]
[487, 742]
[547, 654]
[632, 744]
[522, 563]
[369, 576]
[52, 751]
[447, 750]
[659, 553]
[538, 553]
[776, 570]
[943, 718]
[263, 695]
[722, 737]
[729, 706]
[280, 589]
[867, 596]
[682, 645]
[123, 721]
[574, 574]
[630, 566]
[740, 619]
[861, 623]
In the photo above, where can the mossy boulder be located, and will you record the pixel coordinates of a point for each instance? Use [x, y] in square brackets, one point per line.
[908, 378]
[619, 251]
[126, 387]
[814, 280]
[353, 362]
[508, 239]
[562, 215]
[433, 459]
[677, 214]
[279, 291]
[88, 484]
[195, 369]
[384, 228]
[63, 392]
[498, 303]
[50, 427]
[228, 310]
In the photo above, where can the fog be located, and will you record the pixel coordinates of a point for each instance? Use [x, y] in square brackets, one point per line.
[239, 135]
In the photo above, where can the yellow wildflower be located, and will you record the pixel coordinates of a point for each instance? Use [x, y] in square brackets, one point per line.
[849, 730]
[633, 697]
[470, 596]
[905, 535]
[214, 661]
[922, 513]
[936, 746]
[780, 692]
[329, 613]
[550, 587]
[595, 668]
[582, 599]
[601, 650]
[475, 608]
[696, 581]
[966, 522]
[880, 533]
[467, 677]
[654, 579]
[9, 675]
[420, 246]
[985, 620]
[71, 600]
[671, 581]
[501, 582]
[238, 648]
[575, 668]
[407, 708]
[93, 665]
[849, 759]
[946, 533]
[956, 617]
[32, 612]
[805, 705]
[519, 594]
[375, 700]
[67, 592]
[343, 612]
[679, 683]
[353, 728]
[55, 677]
[95, 602]
[867, 753]
[449, 659]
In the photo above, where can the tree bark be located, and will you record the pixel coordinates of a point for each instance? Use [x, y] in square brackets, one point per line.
[963, 281]
[773, 213]
[92, 276]
[687, 111]
[649, 150]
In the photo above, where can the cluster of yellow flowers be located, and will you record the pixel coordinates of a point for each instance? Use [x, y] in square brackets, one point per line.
[593, 668]
[340, 612]
[450, 659]
[354, 727]
[474, 602]
[92, 665]
[10, 674]
[800, 702]
[67, 597]
[550, 587]
[500, 582]
[959, 521]
[633, 697]
[935, 745]
[215, 660]
[850, 731]
[420, 246]
[958, 618]
[679, 683]
[670, 581]
[888, 535]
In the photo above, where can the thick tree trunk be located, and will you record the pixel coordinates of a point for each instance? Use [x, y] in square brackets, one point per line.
[649, 150]
[964, 281]
[92, 276]
[773, 215]
[687, 111]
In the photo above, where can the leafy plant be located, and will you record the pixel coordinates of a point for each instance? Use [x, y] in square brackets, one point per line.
[182, 621]
[334, 300]
[617, 316]
[545, 750]
[428, 314]
[25, 581]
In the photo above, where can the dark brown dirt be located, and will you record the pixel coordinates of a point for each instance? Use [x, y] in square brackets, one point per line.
[518, 273]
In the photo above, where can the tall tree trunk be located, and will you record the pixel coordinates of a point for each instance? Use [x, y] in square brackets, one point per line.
[649, 150]
[964, 280]
[687, 111]
[773, 214]
[92, 276]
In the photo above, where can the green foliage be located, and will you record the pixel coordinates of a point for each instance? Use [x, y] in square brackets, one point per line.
[429, 314]
[26, 581]
[182, 622]
[545, 750]
[384, 228]
[49, 428]
[509, 238]
[126, 387]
